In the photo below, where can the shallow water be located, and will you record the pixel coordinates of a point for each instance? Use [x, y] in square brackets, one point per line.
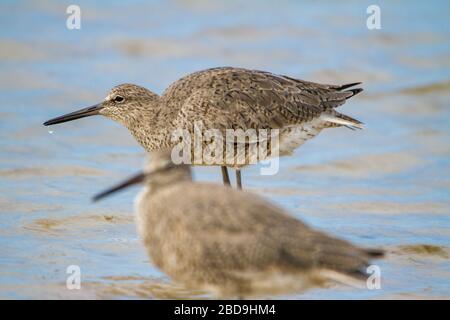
[387, 185]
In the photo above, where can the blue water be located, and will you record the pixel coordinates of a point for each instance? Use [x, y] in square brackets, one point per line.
[387, 185]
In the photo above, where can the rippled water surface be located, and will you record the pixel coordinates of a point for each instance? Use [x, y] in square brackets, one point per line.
[387, 185]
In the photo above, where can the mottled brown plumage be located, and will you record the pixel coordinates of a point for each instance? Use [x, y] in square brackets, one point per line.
[234, 243]
[226, 98]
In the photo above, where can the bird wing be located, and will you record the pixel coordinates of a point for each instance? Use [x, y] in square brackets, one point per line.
[235, 98]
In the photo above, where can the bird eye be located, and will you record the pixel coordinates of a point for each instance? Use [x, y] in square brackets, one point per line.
[118, 99]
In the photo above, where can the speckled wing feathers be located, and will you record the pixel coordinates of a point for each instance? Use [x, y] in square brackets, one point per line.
[241, 99]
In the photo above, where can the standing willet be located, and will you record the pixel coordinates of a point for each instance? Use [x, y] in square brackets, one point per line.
[226, 98]
[233, 243]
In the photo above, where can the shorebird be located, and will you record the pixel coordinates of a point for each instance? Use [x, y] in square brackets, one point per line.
[230, 242]
[226, 98]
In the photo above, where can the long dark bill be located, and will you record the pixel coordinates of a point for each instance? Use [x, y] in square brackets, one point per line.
[133, 180]
[85, 112]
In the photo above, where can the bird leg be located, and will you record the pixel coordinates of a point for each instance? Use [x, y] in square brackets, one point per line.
[225, 176]
[238, 179]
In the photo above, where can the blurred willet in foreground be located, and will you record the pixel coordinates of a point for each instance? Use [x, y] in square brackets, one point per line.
[226, 98]
[233, 243]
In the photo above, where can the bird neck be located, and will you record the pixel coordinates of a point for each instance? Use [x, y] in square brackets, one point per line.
[152, 127]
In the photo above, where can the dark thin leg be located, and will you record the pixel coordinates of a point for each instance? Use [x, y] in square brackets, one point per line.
[238, 179]
[225, 176]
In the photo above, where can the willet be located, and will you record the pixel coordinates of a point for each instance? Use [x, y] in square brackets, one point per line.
[226, 98]
[233, 243]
